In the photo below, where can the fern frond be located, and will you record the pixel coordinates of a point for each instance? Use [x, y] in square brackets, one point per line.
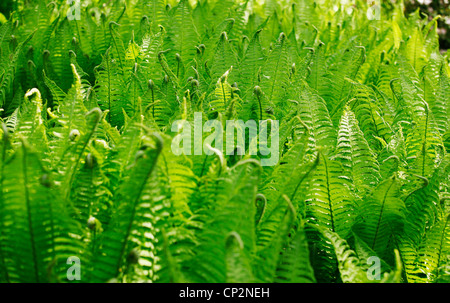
[356, 156]
[329, 203]
[381, 216]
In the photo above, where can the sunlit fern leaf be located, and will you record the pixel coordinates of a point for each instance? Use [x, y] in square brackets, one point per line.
[221, 99]
[151, 46]
[414, 50]
[376, 56]
[31, 123]
[410, 98]
[70, 122]
[168, 69]
[218, 217]
[313, 112]
[292, 130]
[356, 156]
[371, 116]
[423, 145]
[12, 121]
[206, 168]
[292, 50]
[82, 34]
[116, 11]
[431, 36]
[393, 156]
[441, 109]
[270, 7]
[126, 147]
[163, 105]
[203, 20]
[386, 105]
[411, 272]
[221, 10]
[135, 88]
[70, 139]
[73, 60]
[386, 73]
[107, 136]
[181, 180]
[307, 34]
[381, 216]
[329, 202]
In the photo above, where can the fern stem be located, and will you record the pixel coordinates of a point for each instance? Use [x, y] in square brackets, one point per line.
[109, 87]
[424, 147]
[224, 95]
[329, 195]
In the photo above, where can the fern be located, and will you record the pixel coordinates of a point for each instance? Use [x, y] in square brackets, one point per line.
[90, 108]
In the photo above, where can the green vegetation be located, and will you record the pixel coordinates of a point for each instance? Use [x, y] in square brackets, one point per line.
[87, 169]
[433, 9]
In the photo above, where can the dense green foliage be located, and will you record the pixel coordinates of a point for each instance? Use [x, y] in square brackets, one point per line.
[433, 9]
[87, 169]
